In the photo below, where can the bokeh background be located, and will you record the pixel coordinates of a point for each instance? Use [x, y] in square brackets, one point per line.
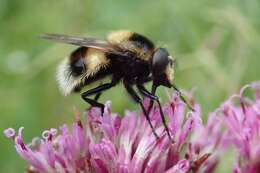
[216, 44]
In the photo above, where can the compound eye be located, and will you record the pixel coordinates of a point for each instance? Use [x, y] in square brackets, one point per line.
[160, 61]
[77, 62]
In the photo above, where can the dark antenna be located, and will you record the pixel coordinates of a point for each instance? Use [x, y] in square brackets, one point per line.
[182, 97]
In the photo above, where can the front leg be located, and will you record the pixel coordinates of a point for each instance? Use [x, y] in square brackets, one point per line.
[141, 81]
[146, 93]
[137, 99]
[154, 87]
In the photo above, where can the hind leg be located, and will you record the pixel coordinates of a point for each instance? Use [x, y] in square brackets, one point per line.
[97, 91]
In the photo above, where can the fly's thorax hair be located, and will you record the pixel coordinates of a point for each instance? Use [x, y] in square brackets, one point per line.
[120, 36]
[83, 64]
[136, 43]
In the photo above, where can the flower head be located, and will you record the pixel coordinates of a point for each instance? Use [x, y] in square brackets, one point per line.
[116, 144]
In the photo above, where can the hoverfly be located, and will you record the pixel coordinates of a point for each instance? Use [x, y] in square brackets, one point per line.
[124, 56]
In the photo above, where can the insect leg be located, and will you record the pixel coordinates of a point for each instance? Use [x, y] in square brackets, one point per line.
[136, 98]
[154, 87]
[146, 93]
[94, 103]
[97, 91]
[97, 96]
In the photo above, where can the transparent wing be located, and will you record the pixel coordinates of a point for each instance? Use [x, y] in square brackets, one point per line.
[86, 42]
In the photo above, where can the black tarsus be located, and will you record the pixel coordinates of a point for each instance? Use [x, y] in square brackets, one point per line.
[137, 99]
[146, 93]
[97, 91]
[182, 97]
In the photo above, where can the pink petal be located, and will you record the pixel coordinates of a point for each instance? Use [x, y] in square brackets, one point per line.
[182, 166]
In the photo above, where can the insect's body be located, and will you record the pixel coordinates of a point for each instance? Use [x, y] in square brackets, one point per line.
[124, 56]
[134, 66]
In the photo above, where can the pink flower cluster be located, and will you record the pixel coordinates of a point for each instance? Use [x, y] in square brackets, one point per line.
[126, 144]
[242, 129]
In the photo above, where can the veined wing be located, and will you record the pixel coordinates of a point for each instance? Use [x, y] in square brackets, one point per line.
[87, 42]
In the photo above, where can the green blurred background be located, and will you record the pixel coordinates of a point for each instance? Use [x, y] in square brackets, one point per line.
[216, 44]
